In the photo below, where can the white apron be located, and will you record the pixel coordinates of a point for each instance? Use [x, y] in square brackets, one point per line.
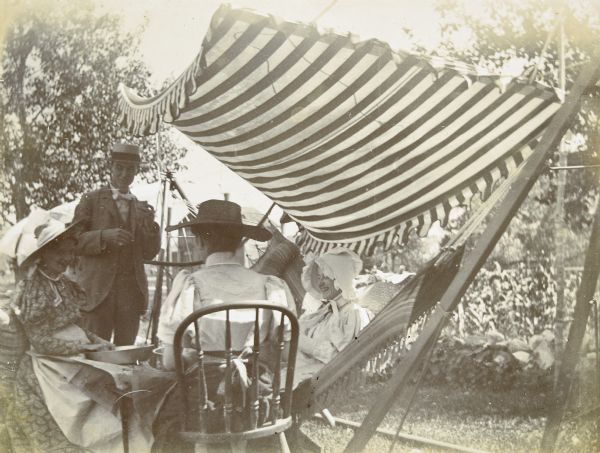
[91, 423]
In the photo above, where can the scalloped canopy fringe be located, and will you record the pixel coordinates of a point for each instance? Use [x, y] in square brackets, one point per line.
[357, 143]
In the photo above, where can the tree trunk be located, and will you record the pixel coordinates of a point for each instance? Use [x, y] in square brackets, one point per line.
[19, 199]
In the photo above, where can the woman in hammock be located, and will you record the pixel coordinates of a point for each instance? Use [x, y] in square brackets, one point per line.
[325, 332]
[59, 404]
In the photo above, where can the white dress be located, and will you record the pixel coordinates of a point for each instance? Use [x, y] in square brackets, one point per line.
[325, 333]
[222, 280]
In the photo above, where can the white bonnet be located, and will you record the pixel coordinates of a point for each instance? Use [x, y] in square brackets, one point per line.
[339, 264]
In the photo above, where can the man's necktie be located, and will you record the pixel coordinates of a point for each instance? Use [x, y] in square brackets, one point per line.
[122, 200]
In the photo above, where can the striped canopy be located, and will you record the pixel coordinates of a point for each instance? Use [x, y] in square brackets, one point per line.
[356, 142]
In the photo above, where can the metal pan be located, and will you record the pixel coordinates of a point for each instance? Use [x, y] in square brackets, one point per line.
[123, 355]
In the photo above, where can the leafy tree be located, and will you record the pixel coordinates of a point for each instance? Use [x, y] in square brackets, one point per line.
[507, 35]
[61, 65]
[508, 38]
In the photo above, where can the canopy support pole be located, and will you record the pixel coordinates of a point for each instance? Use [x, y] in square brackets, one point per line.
[476, 258]
[155, 312]
[559, 227]
[262, 220]
[583, 305]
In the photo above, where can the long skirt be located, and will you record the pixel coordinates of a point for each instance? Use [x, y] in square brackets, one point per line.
[62, 405]
[31, 427]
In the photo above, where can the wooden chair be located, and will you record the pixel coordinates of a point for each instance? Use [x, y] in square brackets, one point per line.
[194, 427]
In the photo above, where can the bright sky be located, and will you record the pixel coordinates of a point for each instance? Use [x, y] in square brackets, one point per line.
[175, 28]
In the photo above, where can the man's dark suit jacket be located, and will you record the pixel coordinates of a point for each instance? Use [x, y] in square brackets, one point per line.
[99, 262]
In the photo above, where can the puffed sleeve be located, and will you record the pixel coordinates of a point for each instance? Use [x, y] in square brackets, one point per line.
[277, 291]
[178, 305]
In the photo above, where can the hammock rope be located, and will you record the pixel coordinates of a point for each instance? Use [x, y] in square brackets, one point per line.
[388, 352]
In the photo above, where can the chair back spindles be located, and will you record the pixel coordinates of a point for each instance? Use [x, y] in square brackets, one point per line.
[254, 403]
[276, 402]
[291, 364]
[201, 375]
[228, 404]
[281, 327]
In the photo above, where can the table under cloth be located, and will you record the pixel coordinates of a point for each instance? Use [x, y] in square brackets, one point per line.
[72, 384]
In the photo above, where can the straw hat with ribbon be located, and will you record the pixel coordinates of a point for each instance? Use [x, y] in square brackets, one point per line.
[222, 214]
[47, 233]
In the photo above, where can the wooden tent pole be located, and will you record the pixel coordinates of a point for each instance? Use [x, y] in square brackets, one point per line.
[159, 275]
[559, 226]
[263, 219]
[476, 258]
[584, 300]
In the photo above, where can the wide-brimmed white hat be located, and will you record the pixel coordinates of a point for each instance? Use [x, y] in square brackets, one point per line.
[45, 234]
[341, 265]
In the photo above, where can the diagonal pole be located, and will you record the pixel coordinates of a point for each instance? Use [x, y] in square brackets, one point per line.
[583, 305]
[263, 219]
[473, 262]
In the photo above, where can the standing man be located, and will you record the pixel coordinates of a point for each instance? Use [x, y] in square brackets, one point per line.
[120, 233]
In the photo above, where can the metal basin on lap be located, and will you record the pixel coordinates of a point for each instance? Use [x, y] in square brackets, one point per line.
[122, 355]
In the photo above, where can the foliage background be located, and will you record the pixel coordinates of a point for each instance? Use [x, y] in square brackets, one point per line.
[61, 64]
[507, 38]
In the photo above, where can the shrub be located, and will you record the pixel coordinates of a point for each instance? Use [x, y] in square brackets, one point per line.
[492, 362]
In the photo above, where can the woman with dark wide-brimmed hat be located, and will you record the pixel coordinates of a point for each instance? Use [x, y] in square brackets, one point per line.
[53, 408]
[219, 231]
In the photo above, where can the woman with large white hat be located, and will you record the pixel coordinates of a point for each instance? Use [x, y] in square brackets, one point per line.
[324, 333]
[53, 407]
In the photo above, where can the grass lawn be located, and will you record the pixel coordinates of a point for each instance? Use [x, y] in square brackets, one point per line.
[502, 421]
